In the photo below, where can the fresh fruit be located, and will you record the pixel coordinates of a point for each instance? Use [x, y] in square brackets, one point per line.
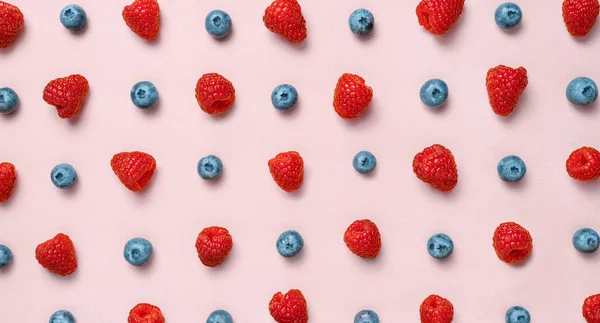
[218, 23]
[361, 21]
[144, 95]
[6, 256]
[289, 307]
[586, 240]
[512, 242]
[582, 91]
[134, 169]
[67, 94]
[9, 100]
[145, 313]
[73, 17]
[363, 238]
[219, 316]
[210, 167]
[287, 169]
[584, 164]
[591, 309]
[438, 16]
[434, 93]
[504, 87]
[351, 96]
[63, 176]
[436, 309]
[284, 17]
[215, 94]
[11, 23]
[440, 246]
[284, 97]
[57, 255]
[62, 316]
[137, 251]
[213, 245]
[435, 165]
[580, 16]
[517, 314]
[364, 162]
[508, 15]
[366, 316]
[143, 18]
[511, 168]
[8, 180]
[289, 243]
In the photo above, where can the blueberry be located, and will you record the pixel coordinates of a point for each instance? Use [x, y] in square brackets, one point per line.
[511, 168]
[517, 314]
[582, 91]
[218, 23]
[9, 100]
[62, 316]
[289, 243]
[63, 176]
[434, 93]
[284, 97]
[219, 316]
[366, 316]
[440, 246]
[5, 256]
[144, 95]
[364, 162]
[508, 15]
[73, 17]
[210, 167]
[586, 240]
[137, 251]
[361, 21]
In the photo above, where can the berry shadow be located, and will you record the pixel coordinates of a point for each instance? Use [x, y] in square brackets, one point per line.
[280, 41]
[291, 114]
[14, 114]
[588, 257]
[82, 30]
[585, 39]
[6, 270]
[590, 109]
[524, 262]
[17, 43]
[519, 186]
[224, 40]
[71, 191]
[296, 260]
[64, 279]
[154, 111]
[442, 109]
[365, 39]
[222, 117]
[523, 104]
[514, 30]
[592, 187]
[146, 269]
[226, 267]
[367, 119]
[217, 182]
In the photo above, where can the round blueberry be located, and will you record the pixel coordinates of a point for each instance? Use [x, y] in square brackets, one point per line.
[144, 95]
[137, 251]
[63, 176]
[440, 246]
[218, 23]
[210, 167]
[9, 100]
[582, 91]
[289, 243]
[434, 93]
[361, 21]
[73, 17]
[517, 314]
[364, 162]
[508, 15]
[586, 240]
[62, 316]
[284, 97]
[5, 256]
[219, 316]
[511, 168]
[366, 316]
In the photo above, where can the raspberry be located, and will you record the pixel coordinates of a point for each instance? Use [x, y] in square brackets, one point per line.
[584, 164]
[363, 238]
[351, 96]
[512, 242]
[145, 313]
[438, 16]
[143, 18]
[134, 169]
[287, 169]
[213, 245]
[580, 16]
[435, 165]
[436, 309]
[284, 17]
[289, 307]
[8, 179]
[591, 309]
[57, 255]
[215, 94]
[11, 23]
[504, 86]
[67, 94]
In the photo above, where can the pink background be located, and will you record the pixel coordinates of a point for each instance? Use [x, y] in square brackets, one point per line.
[100, 215]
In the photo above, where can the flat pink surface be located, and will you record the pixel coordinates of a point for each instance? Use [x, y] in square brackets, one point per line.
[100, 215]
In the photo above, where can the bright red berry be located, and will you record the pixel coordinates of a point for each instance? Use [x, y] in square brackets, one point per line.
[213, 245]
[504, 87]
[67, 94]
[134, 169]
[289, 307]
[351, 96]
[57, 255]
[512, 242]
[580, 15]
[438, 16]
[284, 17]
[584, 164]
[435, 165]
[8, 179]
[145, 313]
[11, 23]
[436, 309]
[215, 94]
[363, 238]
[143, 18]
[591, 309]
[287, 169]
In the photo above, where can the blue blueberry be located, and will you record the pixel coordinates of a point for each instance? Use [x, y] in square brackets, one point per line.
[63, 176]
[218, 23]
[440, 246]
[586, 240]
[62, 316]
[511, 168]
[366, 316]
[289, 243]
[364, 162]
[284, 97]
[434, 93]
[9, 100]
[219, 316]
[517, 314]
[5, 256]
[361, 21]
[137, 251]
[582, 91]
[73, 17]
[508, 15]
[210, 167]
[144, 95]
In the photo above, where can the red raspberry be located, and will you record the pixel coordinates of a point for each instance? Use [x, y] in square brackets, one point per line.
[143, 18]
[512, 242]
[504, 87]
[67, 94]
[57, 255]
[584, 164]
[11, 23]
[351, 96]
[435, 165]
[363, 238]
[580, 15]
[289, 307]
[287, 170]
[438, 16]
[213, 245]
[8, 179]
[134, 169]
[436, 309]
[145, 313]
[284, 17]
[215, 94]
[591, 309]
